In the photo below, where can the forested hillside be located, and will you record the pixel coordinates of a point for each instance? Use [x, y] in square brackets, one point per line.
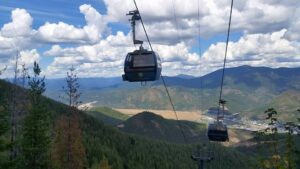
[123, 151]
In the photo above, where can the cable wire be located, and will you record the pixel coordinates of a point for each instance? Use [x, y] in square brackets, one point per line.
[162, 77]
[199, 30]
[200, 52]
[174, 110]
[135, 4]
[225, 57]
[176, 23]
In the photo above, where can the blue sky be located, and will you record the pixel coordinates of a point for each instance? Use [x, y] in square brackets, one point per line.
[91, 32]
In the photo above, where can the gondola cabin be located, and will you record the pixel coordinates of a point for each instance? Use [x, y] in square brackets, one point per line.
[217, 131]
[141, 66]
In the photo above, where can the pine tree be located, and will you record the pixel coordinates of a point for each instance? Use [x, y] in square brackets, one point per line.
[13, 113]
[290, 146]
[275, 160]
[68, 144]
[35, 135]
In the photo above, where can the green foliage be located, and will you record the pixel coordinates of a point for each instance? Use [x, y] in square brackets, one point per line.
[35, 140]
[4, 126]
[282, 147]
[107, 115]
[109, 112]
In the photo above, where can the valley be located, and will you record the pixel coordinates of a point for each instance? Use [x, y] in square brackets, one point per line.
[201, 117]
[248, 90]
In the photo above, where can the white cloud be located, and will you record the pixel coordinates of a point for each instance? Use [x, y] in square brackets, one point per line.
[270, 36]
[108, 56]
[25, 57]
[255, 16]
[270, 49]
[28, 57]
[17, 34]
[65, 33]
[20, 25]
[102, 59]
[177, 53]
[293, 32]
[61, 32]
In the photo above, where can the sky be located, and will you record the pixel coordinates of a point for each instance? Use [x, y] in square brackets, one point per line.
[94, 36]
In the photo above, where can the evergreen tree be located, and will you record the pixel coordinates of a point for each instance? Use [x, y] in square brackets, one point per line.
[68, 145]
[35, 139]
[290, 146]
[275, 160]
[13, 113]
[4, 126]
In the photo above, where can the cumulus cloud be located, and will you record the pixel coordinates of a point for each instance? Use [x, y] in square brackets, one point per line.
[270, 49]
[65, 33]
[20, 24]
[28, 57]
[270, 36]
[104, 58]
[108, 56]
[16, 39]
[293, 31]
[18, 36]
[255, 16]
[177, 53]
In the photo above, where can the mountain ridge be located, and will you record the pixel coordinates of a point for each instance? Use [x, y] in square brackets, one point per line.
[246, 89]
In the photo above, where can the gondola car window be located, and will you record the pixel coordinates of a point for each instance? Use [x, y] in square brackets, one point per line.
[143, 60]
[158, 62]
[128, 58]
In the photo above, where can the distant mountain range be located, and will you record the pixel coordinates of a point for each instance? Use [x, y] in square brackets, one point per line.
[280, 79]
[85, 83]
[248, 90]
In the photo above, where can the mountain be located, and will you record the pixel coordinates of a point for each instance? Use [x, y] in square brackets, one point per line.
[183, 76]
[126, 151]
[279, 79]
[247, 90]
[286, 104]
[85, 83]
[154, 126]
